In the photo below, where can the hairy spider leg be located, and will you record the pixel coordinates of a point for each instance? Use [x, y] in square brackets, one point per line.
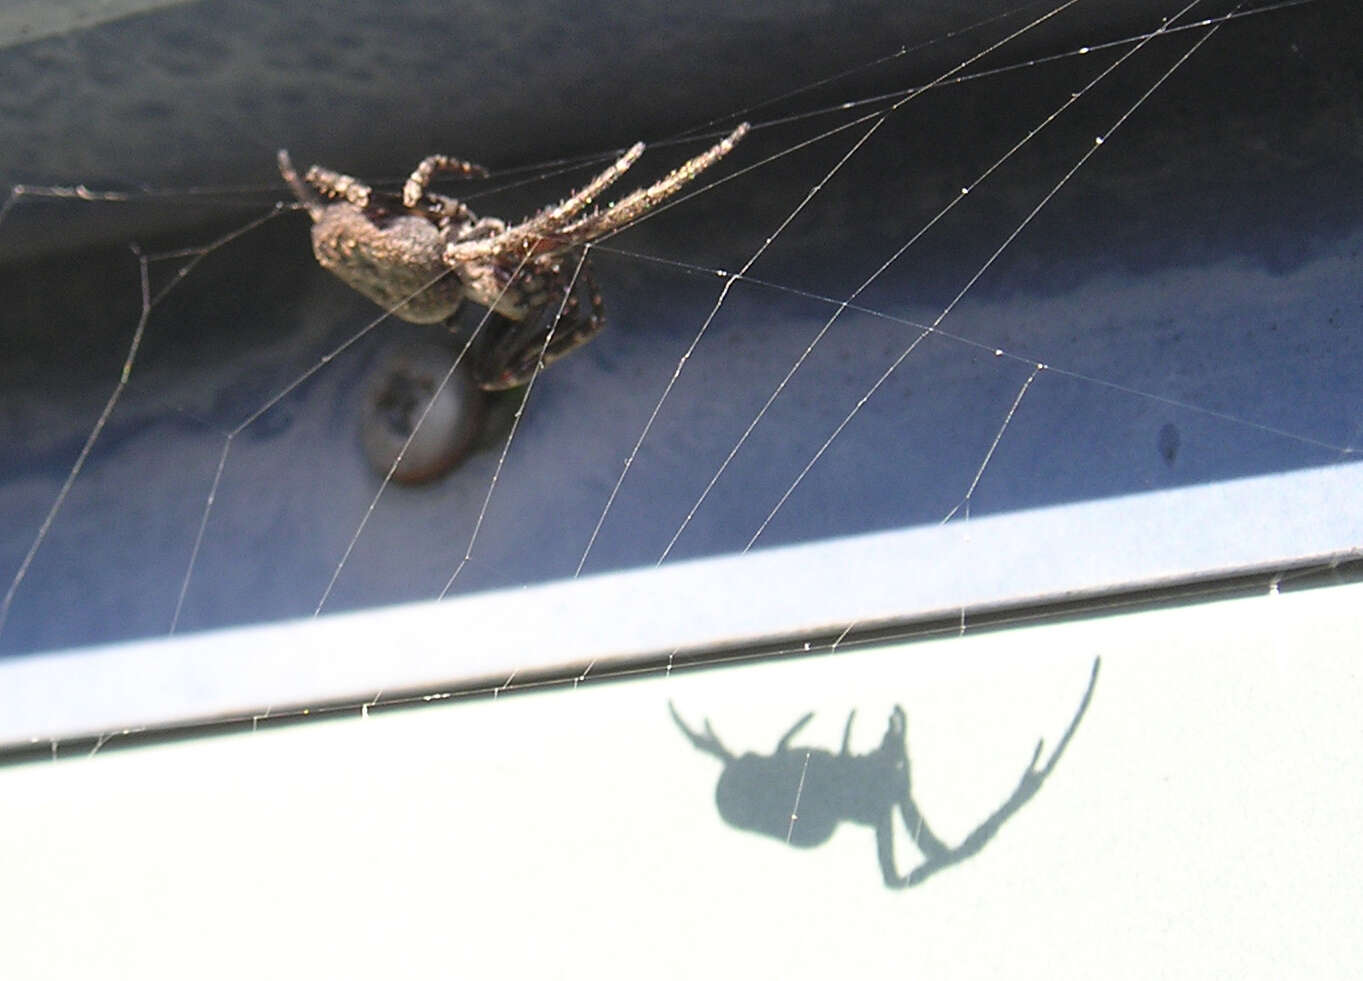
[334, 185]
[436, 163]
[552, 218]
[645, 199]
[510, 357]
[533, 236]
[540, 232]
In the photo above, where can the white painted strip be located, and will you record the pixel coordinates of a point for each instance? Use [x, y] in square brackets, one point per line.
[999, 561]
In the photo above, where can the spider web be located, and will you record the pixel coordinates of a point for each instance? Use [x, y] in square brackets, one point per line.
[1047, 272]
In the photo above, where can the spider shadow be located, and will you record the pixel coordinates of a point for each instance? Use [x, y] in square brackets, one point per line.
[800, 794]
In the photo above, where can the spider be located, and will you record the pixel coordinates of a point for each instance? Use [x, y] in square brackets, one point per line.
[421, 254]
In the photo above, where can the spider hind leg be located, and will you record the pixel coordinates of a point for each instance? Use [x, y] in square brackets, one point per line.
[509, 353]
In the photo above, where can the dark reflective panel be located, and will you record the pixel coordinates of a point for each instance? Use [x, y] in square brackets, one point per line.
[1102, 259]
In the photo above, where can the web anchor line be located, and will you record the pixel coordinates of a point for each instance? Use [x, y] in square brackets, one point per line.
[879, 120]
[1003, 246]
[847, 303]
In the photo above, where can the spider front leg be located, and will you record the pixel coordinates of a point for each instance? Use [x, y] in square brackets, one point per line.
[508, 352]
[436, 163]
[416, 192]
[552, 228]
[334, 185]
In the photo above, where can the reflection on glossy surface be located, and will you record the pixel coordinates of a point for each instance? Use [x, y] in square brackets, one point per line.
[801, 795]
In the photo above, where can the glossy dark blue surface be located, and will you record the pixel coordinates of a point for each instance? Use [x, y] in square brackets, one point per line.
[1192, 291]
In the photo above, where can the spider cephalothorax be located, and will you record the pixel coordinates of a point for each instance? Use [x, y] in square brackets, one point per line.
[421, 254]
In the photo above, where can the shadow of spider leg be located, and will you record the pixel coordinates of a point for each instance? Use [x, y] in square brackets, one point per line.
[936, 856]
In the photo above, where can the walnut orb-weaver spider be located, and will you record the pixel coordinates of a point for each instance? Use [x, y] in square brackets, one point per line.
[420, 254]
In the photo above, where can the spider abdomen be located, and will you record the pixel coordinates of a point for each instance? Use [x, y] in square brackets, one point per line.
[397, 264]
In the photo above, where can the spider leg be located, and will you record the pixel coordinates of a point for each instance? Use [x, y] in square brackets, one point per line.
[543, 225]
[638, 203]
[305, 194]
[436, 163]
[545, 233]
[446, 209]
[576, 327]
[510, 356]
[574, 203]
[451, 209]
[334, 185]
[481, 228]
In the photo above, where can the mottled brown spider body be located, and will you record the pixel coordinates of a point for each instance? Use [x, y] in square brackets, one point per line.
[394, 259]
[420, 254]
